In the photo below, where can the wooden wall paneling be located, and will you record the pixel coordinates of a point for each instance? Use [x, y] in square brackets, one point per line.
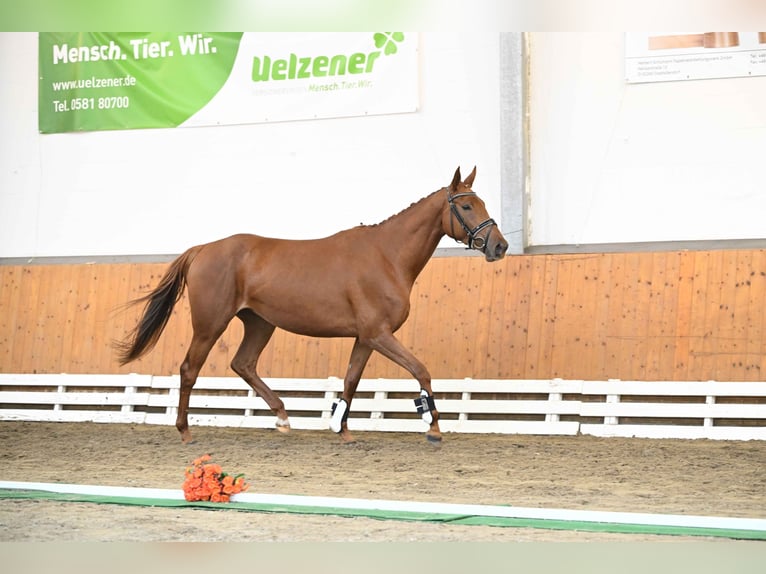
[113, 284]
[585, 288]
[38, 323]
[549, 317]
[732, 331]
[670, 315]
[664, 326]
[755, 361]
[631, 335]
[697, 331]
[154, 360]
[298, 363]
[496, 319]
[615, 323]
[596, 365]
[483, 318]
[536, 317]
[655, 293]
[711, 308]
[10, 295]
[337, 358]
[116, 326]
[433, 329]
[744, 310]
[128, 314]
[25, 318]
[94, 313]
[425, 330]
[459, 302]
[562, 333]
[71, 349]
[643, 308]
[514, 317]
[762, 306]
[687, 262]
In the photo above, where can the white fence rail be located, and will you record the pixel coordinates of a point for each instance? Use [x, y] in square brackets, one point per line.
[716, 410]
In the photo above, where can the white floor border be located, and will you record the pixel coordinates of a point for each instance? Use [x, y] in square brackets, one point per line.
[286, 500]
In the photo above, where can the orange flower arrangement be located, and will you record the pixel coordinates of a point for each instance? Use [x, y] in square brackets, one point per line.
[206, 480]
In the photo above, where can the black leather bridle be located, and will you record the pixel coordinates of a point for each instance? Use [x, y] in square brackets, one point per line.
[474, 240]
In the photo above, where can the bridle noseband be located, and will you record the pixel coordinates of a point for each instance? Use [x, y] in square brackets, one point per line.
[474, 242]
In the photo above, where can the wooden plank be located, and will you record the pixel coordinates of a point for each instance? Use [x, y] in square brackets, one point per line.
[72, 416]
[549, 317]
[674, 410]
[74, 398]
[595, 367]
[21, 334]
[666, 323]
[676, 388]
[683, 330]
[495, 319]
[726, 341]
[74, 381]
[632, 333]
[615, 323]
[514, 318]
[482, 320]
[755, 362]
[10, 297]
[654, 308]
[698, 331]
[711, 307]
[564, 337]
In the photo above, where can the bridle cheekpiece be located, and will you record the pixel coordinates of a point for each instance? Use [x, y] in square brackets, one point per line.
[474, 240]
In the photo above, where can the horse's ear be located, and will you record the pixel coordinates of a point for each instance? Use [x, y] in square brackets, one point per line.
[455, 179]
[469, 180]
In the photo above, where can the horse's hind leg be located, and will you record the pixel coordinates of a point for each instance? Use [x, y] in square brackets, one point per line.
[195, 357]
[258, 331]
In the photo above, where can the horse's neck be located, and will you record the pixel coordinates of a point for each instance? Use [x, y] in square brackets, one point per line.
[413, 234]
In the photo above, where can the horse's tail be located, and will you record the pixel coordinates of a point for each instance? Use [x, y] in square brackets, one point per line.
[159, 307]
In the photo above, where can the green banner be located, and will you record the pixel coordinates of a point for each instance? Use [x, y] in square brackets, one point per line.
[105, 81]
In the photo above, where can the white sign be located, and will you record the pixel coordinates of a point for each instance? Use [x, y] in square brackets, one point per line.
[281, 77]
[694, 56]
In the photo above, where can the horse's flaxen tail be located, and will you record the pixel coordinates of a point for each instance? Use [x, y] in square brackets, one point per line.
[159, 307]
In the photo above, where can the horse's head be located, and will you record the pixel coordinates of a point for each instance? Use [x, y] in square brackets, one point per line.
[466, 220]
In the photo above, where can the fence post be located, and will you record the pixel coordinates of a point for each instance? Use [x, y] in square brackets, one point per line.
[709, 400]
[612, 399]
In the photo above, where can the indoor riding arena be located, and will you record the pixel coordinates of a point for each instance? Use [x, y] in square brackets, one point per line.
[572, 347]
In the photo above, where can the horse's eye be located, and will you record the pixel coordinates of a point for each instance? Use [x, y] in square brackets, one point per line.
[466, 207]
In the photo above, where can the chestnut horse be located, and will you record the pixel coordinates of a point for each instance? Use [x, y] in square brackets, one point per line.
[355, 283]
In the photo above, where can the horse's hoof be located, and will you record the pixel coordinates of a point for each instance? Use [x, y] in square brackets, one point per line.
[435, 440]
[186, 438]
[346, 438]
[283, 429]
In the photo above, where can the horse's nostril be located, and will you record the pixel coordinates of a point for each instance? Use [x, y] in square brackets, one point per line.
[500, 249]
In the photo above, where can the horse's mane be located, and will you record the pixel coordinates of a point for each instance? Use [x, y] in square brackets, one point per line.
[403, 211]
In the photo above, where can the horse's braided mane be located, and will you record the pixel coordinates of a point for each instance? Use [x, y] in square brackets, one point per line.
[405, 210]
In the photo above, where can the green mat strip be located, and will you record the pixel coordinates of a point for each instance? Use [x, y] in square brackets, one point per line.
[499, 521]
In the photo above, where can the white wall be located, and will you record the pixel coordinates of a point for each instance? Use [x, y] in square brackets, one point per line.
[160, 191]
[613, 162]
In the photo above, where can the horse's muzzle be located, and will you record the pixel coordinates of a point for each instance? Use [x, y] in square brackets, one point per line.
[496, 248]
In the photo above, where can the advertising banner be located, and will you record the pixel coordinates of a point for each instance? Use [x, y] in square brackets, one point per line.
[112, 81]
[671, 57]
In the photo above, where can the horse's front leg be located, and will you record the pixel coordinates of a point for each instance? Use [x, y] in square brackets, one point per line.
[390, 347]
[360, 354]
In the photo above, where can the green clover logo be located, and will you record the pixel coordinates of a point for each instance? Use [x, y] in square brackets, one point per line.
[388, 41]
